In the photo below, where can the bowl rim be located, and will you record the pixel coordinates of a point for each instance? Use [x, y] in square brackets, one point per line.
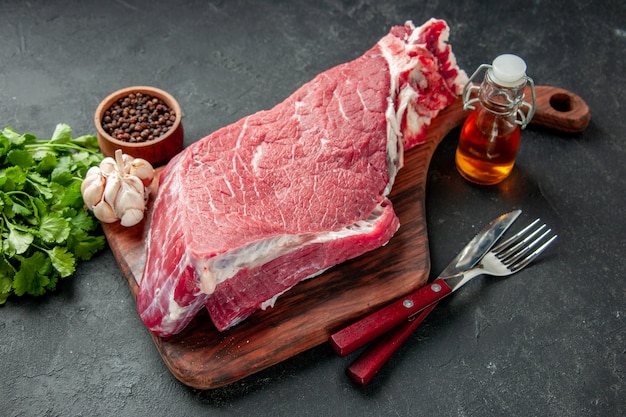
[108, 101]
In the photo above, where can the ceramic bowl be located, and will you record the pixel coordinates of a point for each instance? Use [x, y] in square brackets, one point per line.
[157, 151]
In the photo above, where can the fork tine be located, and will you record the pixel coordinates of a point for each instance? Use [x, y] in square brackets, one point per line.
[516, 252]
[513, 239]
[533, 255]
[507, 253]
[510, 258]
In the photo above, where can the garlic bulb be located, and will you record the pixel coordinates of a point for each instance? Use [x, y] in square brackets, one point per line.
[118, 189]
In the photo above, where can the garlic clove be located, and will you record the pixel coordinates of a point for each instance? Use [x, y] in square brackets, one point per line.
[92, 190]
[128, 199]
[143, 170]
[92, 175]
[104, 212]
[93, 171]
[131, 217]
[135, 184]
[112, 188]
[127, 160]
[108, 165]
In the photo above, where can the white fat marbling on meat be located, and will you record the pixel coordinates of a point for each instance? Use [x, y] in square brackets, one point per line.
[218, 269]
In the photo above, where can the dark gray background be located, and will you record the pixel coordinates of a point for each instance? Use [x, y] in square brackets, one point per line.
[548, 342]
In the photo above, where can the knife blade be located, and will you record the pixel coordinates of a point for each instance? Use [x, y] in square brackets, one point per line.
[369, 328]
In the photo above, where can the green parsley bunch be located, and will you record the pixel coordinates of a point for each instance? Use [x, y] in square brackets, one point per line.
[44, 227]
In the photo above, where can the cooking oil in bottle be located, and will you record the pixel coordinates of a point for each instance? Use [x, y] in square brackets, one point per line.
[490, 136]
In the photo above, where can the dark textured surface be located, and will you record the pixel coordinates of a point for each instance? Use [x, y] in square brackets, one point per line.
[550, 341]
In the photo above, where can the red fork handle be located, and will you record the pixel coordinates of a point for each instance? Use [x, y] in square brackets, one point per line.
[376, 324]
[372, 360]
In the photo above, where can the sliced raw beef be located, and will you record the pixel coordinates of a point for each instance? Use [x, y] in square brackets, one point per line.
[249, 211]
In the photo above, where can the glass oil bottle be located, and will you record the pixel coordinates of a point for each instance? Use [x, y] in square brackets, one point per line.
[490, 136]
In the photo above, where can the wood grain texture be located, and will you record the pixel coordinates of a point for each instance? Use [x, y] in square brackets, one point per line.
[304, 317]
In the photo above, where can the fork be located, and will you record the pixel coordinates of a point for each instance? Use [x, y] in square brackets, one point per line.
[505, 259]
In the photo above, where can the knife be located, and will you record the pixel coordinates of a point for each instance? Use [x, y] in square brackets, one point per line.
[369, 328]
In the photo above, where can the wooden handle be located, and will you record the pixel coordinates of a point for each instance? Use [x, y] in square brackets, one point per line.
[369, 363]
[559, 109]
[378, 323]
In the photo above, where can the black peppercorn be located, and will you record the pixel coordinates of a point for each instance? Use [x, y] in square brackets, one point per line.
[138, 117]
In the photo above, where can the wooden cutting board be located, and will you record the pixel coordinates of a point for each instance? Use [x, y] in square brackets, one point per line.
[305, 316]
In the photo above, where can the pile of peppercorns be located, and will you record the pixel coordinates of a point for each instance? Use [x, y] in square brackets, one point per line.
[138, 117]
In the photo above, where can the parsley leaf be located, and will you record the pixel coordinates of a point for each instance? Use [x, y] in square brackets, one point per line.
[62, 260]
[54, 229]
[17, 242]
[32, 277]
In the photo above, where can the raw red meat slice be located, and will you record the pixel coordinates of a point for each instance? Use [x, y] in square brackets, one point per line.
[249, 211]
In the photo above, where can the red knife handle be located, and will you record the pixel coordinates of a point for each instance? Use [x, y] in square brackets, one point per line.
[376, 324]
[369, 363]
